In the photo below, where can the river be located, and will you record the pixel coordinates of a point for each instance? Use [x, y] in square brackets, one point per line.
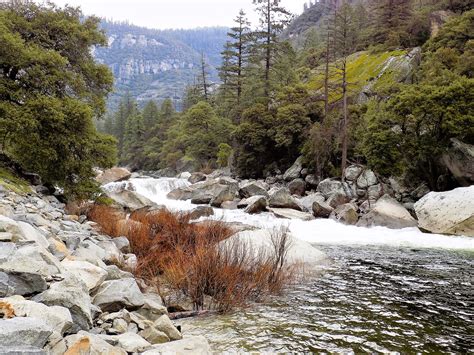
[385, 290]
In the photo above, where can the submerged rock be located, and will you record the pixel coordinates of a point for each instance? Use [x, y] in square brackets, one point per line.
[291, 214]
[195, 345]
[450, 212]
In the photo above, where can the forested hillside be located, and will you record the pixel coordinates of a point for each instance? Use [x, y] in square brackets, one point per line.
[158, 64]
[384, 83]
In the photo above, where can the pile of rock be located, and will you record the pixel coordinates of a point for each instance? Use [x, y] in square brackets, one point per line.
[64, 287]
[297, 195]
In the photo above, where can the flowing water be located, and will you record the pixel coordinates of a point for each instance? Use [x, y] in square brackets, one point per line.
[386, 290]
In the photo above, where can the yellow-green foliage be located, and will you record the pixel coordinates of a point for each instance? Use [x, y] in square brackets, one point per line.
[13, 183]
[362, 69]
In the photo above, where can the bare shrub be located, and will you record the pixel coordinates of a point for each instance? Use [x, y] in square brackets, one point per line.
[189, 258]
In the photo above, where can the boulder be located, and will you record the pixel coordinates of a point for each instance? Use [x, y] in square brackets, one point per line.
[312, 181]
[297, 187]
[73, 294]
[374, 192]
[93, 276]
[227, 194]
[20, 283]
[353, 172]
[329, 186]
[164, 324]
[154, 336]
[254, 188]
[24, 332]
[321, 209]
[338, 198]
[130, 200]
[291, 214]
[205, 192]
[29, 258]
[450, 212]
[346, 214]
[366, 179]
[294, 172]
[307, 201]
[281, 198]
[87, 343]
[153, 308]
[122, 243]
[388, 212]
[57, 318]
[114, 273]
[196, 177]
[255, 204]
[117, 294]
[459, 159]
[260, 242]
[132, 343]
[113, 175]
[195, 345]
[201, 211]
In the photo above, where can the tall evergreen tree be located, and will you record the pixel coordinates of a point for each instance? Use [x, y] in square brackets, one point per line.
[273, 19]
[151, 115]
[235, 56]
[345, 42]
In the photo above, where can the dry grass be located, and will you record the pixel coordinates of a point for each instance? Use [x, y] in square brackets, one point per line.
[188, 258]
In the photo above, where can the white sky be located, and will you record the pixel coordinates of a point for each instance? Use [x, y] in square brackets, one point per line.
[173, 13]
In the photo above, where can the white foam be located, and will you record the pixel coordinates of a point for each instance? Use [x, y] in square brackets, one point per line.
[319, 231]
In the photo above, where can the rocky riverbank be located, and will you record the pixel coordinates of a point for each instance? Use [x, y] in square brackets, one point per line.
[65, 288]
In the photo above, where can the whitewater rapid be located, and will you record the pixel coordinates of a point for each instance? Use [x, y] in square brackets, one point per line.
[319, 231]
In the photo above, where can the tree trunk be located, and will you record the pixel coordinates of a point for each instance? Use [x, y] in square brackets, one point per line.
[345, 120]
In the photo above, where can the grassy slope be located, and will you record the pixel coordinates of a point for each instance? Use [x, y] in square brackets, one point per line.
[363, 68]
[12, 182]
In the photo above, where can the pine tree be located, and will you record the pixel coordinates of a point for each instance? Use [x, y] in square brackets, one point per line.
[273, 19]
[390, 20]
[151, 115]
[235, 56]
[345, 42]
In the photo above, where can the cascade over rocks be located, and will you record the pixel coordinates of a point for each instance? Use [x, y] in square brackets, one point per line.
[450, 212]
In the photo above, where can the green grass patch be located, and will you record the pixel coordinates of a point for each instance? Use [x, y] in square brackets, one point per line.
[362, 69]
[13, 183]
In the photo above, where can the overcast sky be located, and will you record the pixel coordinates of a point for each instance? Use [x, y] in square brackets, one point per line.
[173, 13]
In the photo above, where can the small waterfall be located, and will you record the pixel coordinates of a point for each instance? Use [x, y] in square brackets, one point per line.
[319, 231]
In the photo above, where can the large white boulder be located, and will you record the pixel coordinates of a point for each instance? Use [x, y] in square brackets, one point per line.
[260, 241]
[388, 212]
[57, 318]
[93, 276]
[117, 294]
[450, 212]
[23, 332]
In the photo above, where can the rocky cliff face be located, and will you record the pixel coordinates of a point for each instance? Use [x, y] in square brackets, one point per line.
[154, 64]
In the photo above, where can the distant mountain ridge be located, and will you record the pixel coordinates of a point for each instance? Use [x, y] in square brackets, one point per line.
[157, 64]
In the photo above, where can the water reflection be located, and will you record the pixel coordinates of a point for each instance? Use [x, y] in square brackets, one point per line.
[371, 299]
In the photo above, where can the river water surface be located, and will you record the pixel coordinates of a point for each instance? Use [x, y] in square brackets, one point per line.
[385, 290]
